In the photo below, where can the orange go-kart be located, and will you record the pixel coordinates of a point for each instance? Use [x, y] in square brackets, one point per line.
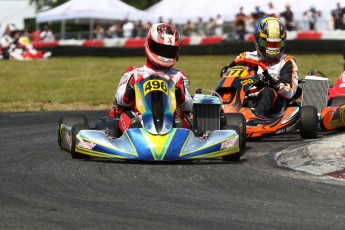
[235, 90]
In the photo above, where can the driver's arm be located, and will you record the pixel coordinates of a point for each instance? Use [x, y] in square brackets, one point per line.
[288, 82]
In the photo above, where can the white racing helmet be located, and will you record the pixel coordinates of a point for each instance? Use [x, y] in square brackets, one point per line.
[162, 45]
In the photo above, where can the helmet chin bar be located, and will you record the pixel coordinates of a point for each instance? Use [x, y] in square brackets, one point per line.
[272, 54]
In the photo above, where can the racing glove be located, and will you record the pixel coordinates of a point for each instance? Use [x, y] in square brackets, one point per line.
[130, 94]
[224, 71]
[179, 95]
[266, 80]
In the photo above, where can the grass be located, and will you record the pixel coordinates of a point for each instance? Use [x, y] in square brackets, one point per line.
[90, 82]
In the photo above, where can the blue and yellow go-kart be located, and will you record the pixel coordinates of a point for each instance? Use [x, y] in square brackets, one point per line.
[159, 136]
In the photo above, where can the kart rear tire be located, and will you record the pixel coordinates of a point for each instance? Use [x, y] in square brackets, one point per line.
[239, 120]
[70, 120]
[234, 156]
[336, 101]
[75, 130]
[309, 122]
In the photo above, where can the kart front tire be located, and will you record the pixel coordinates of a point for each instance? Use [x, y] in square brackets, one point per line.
[239, 120]
[75, 130]
[309, 122]
[71, 119]
[234, 156]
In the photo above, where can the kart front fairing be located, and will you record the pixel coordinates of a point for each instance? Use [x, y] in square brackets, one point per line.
[157, 140]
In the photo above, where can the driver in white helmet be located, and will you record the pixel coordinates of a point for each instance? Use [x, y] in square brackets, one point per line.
[162, 48]
[282, 82]
[8, 40]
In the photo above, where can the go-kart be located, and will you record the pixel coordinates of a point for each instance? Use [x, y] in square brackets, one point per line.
[156, 135]
[235, 90]
[332, 101]
[24, 51]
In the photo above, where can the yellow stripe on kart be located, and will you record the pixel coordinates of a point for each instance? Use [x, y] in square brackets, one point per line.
[183, 153]
[159, 144]
[112, 146]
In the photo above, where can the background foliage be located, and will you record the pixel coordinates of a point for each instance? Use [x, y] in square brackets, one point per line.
[48, 4]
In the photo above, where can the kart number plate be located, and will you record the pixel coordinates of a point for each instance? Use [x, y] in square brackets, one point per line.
[238, 71]
[154, 85]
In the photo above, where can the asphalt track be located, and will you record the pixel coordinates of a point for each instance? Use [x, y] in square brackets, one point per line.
[43, 188]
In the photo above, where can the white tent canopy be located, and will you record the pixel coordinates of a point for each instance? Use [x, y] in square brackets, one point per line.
[15, 12]
[181, 10]
[92, 9]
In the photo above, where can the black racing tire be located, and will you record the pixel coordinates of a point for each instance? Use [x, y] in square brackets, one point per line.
[235, 156]
[336, 100]
[309, 124]
[239, 120]
[71, 119]
[75, 130]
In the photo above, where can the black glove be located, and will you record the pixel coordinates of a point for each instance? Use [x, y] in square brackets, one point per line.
[179, 96]
[178, 93]
[224, 71]
[130, 94]
[266, 80]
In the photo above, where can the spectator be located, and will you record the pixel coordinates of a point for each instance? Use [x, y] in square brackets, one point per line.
[272, 11]
[128, 28]
[115, 31]
[139, 29]
[171, 23]
[287, 15]
[99, 32]
[210, 27]
[240, 24]
[258, 13]
[35, 35]
[188, 28]
[200, 27]
[312, 15]
[219, 25]
[47, 34]
[338, 17]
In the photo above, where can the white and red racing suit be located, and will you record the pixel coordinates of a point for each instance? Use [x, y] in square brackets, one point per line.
[284, 71]
[184, 104]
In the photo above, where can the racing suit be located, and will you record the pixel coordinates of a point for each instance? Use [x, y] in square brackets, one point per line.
[184, 101]
[284, 72]
[7, 43]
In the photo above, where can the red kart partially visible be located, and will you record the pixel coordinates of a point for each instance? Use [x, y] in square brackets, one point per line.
[333, 116]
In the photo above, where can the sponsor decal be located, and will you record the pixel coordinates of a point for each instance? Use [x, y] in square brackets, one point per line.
[86, 145]
[68, 138]
[227, 144]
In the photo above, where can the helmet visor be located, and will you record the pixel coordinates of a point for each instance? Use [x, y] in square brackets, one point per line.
[269, 44]
[163, 50]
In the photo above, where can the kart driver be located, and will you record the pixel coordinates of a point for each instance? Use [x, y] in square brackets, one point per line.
[282, 82]
[8, 40]
[162, 48]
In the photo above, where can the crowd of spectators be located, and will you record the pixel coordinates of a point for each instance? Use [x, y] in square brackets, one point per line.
[238, 27]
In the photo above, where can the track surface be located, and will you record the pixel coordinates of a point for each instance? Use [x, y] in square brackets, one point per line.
[43, 188]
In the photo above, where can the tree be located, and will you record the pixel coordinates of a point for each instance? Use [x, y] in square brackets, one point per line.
[42, 4]
[141, 4]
